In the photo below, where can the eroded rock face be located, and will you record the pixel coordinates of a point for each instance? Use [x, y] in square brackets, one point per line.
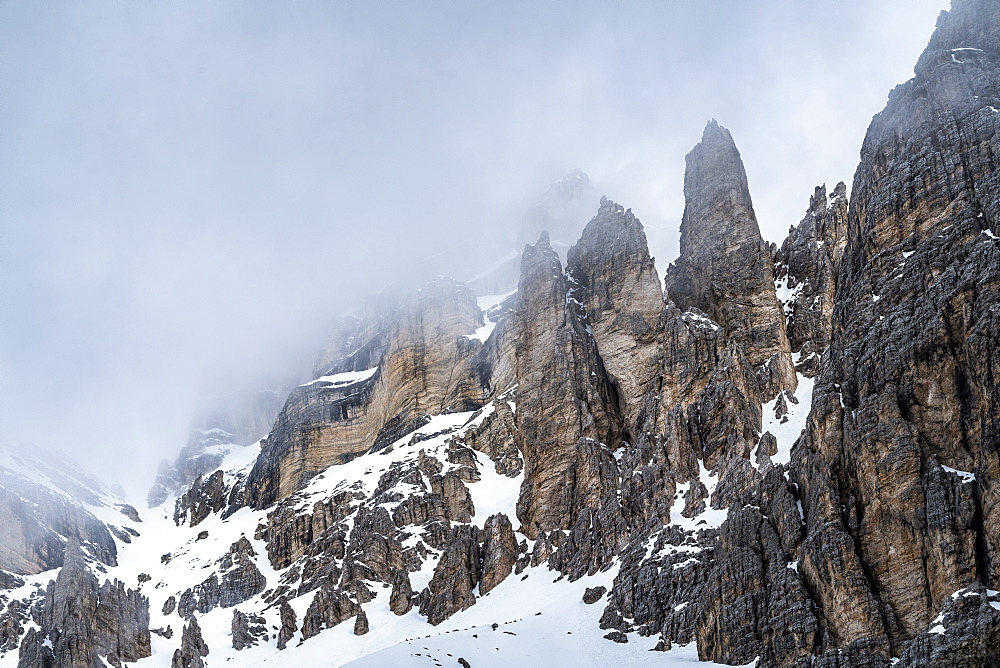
[247, 630]
[193, 648]
[327, 609]
[499, 552]
[610, 269]
[908, 386]
[455, 577]
[568, 407]
[806, 271]
[288, 624]
[725, 268]
[653, 432]
[235, 580]
[81, 623]
[414, 359]
[203, 497]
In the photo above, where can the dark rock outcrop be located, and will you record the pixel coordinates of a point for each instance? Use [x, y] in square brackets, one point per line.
[725, 269]
[203, 497]
[455, 577]
[328, 608]
[236, 580]
[193, 648]
[593, 594]
[499, 552]
[806, 270]
[909, 385]
[247, 630]
[288, 624]
[81, 623]
[401, 598]
[361, 624]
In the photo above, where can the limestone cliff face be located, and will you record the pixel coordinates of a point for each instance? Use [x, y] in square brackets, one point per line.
[611, 271]
[569, 418]
[412, 360]
[907, 397]
[843, 512]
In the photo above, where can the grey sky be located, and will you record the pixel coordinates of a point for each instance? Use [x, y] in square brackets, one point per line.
[188, 190]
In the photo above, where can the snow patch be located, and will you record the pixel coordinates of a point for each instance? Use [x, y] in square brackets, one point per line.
[787, 428]
[787, 296]
[700, 321]
[964, 476]
[345, 378]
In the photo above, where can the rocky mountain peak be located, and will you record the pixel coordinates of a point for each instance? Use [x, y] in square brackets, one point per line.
[970, 25]
[725, 268]
[615, 280]
[720, 239]
[714, 173]
[491, 461]
[617, 226]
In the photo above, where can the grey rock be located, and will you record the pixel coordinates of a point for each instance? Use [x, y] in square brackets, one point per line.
[725, 268]
[81, 623]
[807, 265]
[328, 608]
[288, 625]
[499, 551]
[361, 624]
[247, 630]
[193, 649]
[593, 594]
[401, 598]
[455, 577]
[565, 399]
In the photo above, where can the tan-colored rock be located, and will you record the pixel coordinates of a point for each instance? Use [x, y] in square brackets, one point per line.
[420, 362]
[565, 400]
[909, 384]
[611, 271]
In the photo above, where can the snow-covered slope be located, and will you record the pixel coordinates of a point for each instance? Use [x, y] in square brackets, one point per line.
[539, 616]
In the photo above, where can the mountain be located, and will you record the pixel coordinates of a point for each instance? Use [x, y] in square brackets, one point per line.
[779, 456]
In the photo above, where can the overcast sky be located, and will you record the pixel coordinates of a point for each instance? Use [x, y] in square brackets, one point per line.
[188, 190]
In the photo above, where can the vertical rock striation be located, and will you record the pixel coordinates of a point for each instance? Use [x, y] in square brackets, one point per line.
[568, 413]
[413, 359]
[80, 623]
[806, 273]
[610, 270]
[898, 466]
[725, 268]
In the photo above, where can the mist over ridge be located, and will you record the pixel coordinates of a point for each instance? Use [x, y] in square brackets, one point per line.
[189, 194]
